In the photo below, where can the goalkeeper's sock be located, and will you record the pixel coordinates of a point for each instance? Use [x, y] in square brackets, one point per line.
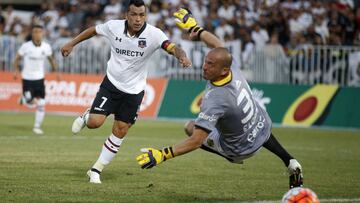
[275, 147]
[110, 148]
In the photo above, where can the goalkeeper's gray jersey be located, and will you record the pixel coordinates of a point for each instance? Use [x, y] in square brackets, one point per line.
[242, 124]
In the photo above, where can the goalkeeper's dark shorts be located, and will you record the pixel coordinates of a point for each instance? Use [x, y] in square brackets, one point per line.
[110, 100]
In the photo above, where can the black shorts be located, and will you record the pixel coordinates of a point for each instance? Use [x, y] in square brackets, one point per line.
[33, 89]
[110, 100]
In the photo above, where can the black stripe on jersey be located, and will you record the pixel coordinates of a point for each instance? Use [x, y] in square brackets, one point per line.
[138, 33]
[202, 128]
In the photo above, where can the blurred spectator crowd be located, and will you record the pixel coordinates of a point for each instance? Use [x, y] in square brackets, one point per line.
[291, 23]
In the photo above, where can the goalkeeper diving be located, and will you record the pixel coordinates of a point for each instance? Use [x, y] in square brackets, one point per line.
[231, 123]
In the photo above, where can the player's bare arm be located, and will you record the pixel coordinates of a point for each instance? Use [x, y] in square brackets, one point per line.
[180, 54]
[210, 39]
[16, 65]
[86, 34]
[54, 66]
[152, 157]
[191, 143]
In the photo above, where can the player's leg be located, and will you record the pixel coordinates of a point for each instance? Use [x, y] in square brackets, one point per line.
[294, 167]
[27, 97]
[34, 96]
[96, 115]
[125, 116]
[39, 115]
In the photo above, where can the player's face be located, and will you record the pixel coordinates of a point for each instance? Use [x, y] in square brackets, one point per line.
[37, 34]
[212, 67]
[136, 18]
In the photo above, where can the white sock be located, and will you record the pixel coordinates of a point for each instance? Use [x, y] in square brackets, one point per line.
[40, 113]
[86, 116]
[110, 148]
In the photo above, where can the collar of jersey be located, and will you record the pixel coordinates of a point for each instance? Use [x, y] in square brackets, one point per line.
[138, 33]
[223, 81]
[36, 45]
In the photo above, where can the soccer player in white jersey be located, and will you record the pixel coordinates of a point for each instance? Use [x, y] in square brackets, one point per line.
[34, 53]
[231, 123]
[133, 41]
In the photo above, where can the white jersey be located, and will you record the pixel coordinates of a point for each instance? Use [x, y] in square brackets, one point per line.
[129, 55]
[34, 60]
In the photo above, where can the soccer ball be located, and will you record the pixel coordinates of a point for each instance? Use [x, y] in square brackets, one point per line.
[300, 195]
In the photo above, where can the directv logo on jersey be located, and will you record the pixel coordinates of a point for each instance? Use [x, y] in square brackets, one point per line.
[129, 52]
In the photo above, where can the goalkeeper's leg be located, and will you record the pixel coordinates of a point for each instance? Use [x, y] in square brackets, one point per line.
[294, 167]
[189, 128]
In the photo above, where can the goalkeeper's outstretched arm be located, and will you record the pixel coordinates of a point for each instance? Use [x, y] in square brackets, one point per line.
[191, 143]
[186, 21]
[210, 39]
[152, 157]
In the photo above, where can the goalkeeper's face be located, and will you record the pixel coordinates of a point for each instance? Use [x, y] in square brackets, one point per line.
[136, 18]
[217, 64]
[212, 67]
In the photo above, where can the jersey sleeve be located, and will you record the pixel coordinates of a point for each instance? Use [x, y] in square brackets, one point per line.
[103, 29]
[22, 50]
[212, 108]
[161, 38]
[48, 50]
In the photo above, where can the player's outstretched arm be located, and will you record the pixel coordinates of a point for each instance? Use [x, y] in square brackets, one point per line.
[86, 34]
[186, 21]
[16, 65]
[209, 39]
[180, 54]
[152, 157]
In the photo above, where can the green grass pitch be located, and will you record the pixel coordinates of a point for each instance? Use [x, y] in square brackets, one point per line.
[52, 167]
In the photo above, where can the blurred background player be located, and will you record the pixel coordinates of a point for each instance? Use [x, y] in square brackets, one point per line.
[34, 53]
[231, 123]
[133, 41]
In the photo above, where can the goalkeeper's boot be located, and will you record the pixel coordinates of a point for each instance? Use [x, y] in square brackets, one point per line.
[94, 176]
[80, 122]
[295, 172]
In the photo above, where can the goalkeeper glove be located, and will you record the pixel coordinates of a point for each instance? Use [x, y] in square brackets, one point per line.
[186, 21]
[152, 157]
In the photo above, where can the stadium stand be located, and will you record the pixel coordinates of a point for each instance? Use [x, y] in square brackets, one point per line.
[274, 41]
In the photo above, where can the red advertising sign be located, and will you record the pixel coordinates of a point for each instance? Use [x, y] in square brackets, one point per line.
[73, 93]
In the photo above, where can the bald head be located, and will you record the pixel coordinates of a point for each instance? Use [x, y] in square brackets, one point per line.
[217, 64]
[222, 56]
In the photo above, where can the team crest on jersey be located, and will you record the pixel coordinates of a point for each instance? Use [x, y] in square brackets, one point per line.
[142, 43]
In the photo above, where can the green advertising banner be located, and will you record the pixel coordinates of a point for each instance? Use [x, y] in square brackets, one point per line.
[178, 98]
[290, 105]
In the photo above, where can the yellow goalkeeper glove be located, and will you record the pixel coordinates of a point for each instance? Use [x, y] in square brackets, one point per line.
[186, 21]
[152, 157]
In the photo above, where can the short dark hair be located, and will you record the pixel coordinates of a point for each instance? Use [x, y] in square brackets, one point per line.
[37, 26]
[136, 3]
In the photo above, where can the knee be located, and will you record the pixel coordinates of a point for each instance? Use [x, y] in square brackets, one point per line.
[189, 127]
[120, 130]
[93, 123]
[40, 104]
